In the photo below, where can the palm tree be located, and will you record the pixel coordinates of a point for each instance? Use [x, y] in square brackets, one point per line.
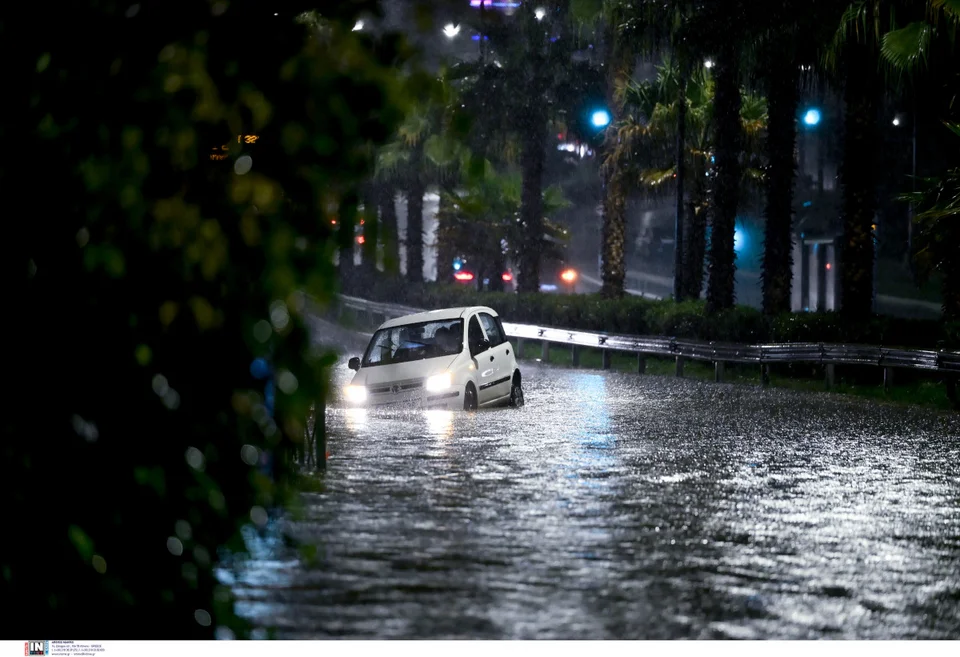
[426, 151]
[908, 50]
[513, 93]
[641, 27]
[482, 220]
[872, 33]
[646, 139]
[791, 34]
[938, 237]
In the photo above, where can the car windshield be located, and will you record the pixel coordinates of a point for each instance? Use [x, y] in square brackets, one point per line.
[408, 342]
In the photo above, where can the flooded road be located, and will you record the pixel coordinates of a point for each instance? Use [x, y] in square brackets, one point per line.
[625, 506]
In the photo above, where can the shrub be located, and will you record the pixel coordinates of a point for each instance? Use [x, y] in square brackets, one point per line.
[638, 316]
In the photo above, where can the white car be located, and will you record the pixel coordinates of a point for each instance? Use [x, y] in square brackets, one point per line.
[449, 359]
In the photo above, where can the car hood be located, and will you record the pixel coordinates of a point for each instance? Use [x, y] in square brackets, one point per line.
[417, 369]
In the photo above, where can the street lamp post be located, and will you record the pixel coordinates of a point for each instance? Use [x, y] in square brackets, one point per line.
[897, 122]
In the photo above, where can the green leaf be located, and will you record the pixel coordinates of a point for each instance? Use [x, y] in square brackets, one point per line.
[81, 541]
[953, 127]
[906, 49]
[143, 355]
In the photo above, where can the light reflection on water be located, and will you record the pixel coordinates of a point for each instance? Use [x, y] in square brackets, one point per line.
[617, 506]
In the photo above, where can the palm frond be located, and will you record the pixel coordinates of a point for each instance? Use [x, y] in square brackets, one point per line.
[655, 177]
[906, 48]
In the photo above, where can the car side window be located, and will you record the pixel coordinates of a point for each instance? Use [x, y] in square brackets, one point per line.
[494, 334]
[474, 336]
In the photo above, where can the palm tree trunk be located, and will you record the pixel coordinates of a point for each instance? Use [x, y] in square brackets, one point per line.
[446, 250]
[371, 235]
[950, 284]
[950, 276]
[414, 238]
[388, 221]
[678, 284]
[613, 265]
[859, 183]
[346, 243]
[694, 249]
[726, 186]
[499, 265]
[532, 155]
[782, 99]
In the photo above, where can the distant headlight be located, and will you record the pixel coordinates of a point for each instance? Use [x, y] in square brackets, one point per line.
[439, 382]
[356, 394]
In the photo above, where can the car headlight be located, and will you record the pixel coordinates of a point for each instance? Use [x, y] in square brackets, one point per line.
[439, 382]
[355, 394]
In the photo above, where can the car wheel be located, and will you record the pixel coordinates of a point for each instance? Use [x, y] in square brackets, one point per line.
[516, 394]
[470, 398]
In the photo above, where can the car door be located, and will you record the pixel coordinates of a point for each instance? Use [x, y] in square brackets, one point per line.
[499, 355]
[485, 359]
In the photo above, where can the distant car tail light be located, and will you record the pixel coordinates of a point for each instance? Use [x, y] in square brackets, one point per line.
[569, 275]
[463, 276]
[507, 276]
[361, 240]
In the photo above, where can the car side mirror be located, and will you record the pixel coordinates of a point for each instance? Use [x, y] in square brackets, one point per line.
[354, 364]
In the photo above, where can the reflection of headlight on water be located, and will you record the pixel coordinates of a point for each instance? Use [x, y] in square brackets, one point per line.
[438, 382]
[439, 423]
[355, 394]
[356, 418]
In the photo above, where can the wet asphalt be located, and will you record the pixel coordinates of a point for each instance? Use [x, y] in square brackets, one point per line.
[618, 506]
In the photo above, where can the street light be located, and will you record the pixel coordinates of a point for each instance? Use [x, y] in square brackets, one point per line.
[600, 119]
[812, 117]
[358, 26]
[450, 30]
[896, 120]
[540, 13]
[708, 63]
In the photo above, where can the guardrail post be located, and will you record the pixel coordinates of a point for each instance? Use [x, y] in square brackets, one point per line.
[679, 370]
[764, 375]
[718, 371]
[575, 356]
[831, 375]
[887, 378]
[605, 356]
[519, 353]
[545, 351]
[641, 364]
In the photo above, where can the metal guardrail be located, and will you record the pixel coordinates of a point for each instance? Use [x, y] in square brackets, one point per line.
[827, 354]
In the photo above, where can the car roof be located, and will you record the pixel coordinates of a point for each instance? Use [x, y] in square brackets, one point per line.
[437, 315]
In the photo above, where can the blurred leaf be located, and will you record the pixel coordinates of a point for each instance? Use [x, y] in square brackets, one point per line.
[82, 542]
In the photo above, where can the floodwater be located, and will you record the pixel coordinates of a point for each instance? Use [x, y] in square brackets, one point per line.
[624, 506]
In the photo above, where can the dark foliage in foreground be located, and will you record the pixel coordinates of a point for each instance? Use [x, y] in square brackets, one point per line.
[144, 272]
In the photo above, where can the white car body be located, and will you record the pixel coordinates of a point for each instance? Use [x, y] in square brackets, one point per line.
[439, 359]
